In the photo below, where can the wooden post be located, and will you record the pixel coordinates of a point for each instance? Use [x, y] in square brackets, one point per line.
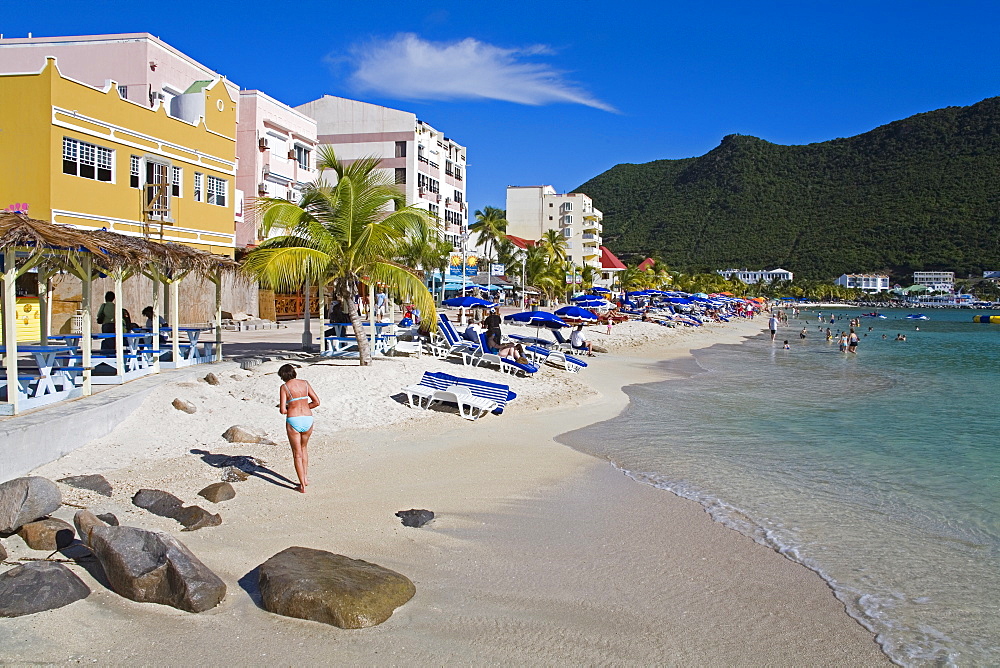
[10, 327]
[218, 316]
[155, 340]
[175, 342]
[45, 304]
[119, 343]
[307, 332]
[86, 304]
[371, 310]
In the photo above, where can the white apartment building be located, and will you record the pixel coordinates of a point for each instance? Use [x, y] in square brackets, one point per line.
[764, 276]
[430, 167]
[276, 147]
[532, 210]
[866, 282]
[942, 281]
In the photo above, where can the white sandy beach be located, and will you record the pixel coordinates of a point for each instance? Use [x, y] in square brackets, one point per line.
[539, 554]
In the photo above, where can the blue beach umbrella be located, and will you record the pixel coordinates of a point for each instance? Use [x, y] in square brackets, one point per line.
[537, 318]
[467, 302]
[598, 288]
[592, 303]
[576, 313]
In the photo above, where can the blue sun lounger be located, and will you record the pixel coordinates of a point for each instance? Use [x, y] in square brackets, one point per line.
[474, 397]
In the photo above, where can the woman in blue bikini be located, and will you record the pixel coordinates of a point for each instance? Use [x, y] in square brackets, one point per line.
[296, 401]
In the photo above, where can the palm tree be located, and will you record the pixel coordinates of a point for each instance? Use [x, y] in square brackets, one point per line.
[344, 233]
[555, 245]
[426, 251]
[490, 227]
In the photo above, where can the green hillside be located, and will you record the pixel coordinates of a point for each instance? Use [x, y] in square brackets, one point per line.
[922, 193]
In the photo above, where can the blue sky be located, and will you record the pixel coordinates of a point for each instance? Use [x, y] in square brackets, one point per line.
[557, 92]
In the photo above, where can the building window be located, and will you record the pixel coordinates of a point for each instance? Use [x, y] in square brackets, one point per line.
[198, 185]
[452, 217]
[428, 184]
[135, 166]
[302, 155]
[123, 92]
[401, 176]
[449, 168]
[458, 196]
[175, 181]
[87, 160]
[458, 172]
[435, 210]
[157, 191]
[217, 190]
[567, 232]
[400, 150]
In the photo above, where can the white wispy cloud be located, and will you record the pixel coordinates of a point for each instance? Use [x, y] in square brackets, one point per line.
[408, 67]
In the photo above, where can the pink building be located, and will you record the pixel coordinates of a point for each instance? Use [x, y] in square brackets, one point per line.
[276, 147]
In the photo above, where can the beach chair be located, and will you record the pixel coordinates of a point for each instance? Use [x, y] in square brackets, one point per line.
[482, 355]
[561, 342]
[450, 342]
[474, 398]
[569, 363]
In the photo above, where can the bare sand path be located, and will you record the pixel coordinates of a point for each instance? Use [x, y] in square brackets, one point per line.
[539, 554]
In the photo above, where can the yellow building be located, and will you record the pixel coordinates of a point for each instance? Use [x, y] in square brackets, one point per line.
[86, 157]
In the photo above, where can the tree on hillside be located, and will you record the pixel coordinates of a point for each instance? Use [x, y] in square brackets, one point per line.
[346, 233]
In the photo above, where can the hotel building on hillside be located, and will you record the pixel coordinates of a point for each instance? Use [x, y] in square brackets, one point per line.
[764, 276]
[276, 146]
[532, 210]
[941, 281]
[426, 164]
[866, 282]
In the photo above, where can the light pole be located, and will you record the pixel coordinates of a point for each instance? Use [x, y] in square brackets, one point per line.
[464, 237]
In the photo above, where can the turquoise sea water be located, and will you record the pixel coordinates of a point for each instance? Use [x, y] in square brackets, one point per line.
[881, 470]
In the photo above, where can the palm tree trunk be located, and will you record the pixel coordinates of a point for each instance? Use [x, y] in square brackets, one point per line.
[364, 347]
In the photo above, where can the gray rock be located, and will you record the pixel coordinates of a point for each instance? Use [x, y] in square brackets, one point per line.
[108, 518]
[94, 482]
[165, 504]
[185, 406]
[331, 588]
[242, 434]
[212, 379]
[234, 474]
[37, 586]
[47, 534]
[415, 518]
[24, 500]
[154, 567]
[3, 552]
[218, 492]
[85, 521]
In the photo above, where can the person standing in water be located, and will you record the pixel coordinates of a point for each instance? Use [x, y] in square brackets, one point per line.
[296, 401]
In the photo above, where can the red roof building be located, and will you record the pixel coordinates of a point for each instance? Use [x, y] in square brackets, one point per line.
[647, 264]
[521, 243]
[609, 261]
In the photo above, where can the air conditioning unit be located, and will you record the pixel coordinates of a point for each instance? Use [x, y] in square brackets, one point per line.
[447, 201]
[267, 170]
[422, 191]
[291, 154]
[263, 143]
[438, 198]
[290, 195]
[262, 188]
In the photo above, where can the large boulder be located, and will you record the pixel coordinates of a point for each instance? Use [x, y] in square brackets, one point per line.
[37, 586]
[3, 552]
[85, 521]
[24, 500]
[218, 492]
[47, 534]
[331, 588]
[154, 567]
[166, 504]
[239, 433]
[94, 482]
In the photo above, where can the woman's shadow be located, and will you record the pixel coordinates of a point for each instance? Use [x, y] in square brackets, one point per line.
[251, 466]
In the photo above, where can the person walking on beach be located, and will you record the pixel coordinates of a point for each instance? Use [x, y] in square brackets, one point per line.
[772, 324]
[296, 401]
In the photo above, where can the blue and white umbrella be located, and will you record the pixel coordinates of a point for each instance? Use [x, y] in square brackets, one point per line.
[576, 313]
[598, 288]
[468, 302]
[596, 302]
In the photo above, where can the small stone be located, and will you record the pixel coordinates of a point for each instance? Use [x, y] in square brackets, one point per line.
[165, 504]
[93, 482]
[233, 474]
[212, 379]
[108, 518]
[196, 517]
[85, 521]
[218, 492]
[154, 567]
[185, 406]
[37, 586]
[47, 534]
[415, 518]
[24, 500]
[242, 434]
[331, 588]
